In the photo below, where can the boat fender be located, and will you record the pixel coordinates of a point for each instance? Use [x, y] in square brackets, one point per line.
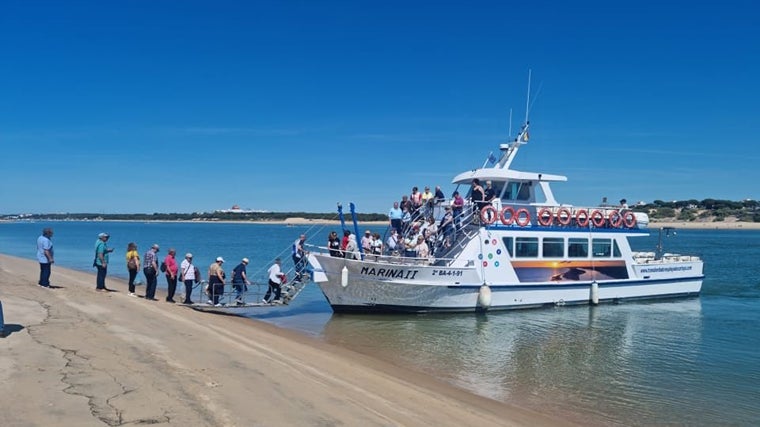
[507, 220]
[597, 217]
[629, 219]
[581, 218]
[484, 297]
[488, 215]
[564, 216]
[616, 220]
[520, 220]
[594, 293]
[544, 217]
[344, 277]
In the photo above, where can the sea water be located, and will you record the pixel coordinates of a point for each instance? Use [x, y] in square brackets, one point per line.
[677, 362]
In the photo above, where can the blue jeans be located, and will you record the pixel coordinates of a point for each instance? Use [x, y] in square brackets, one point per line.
[239, 289]
[44, 274]
[100, 281]
[151, 280]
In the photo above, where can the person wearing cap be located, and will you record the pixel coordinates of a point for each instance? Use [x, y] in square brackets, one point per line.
[45, 256]
[188, 276]
[276, 279]
[150, 269]
[216, 278]
[101, 261]
[171, 275]
[240, 281]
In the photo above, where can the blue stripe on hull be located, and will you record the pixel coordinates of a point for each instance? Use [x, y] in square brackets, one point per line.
[402, 309]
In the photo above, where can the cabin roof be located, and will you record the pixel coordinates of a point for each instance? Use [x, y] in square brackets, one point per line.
[496, 174]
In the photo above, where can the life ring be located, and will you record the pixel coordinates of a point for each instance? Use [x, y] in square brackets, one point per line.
[503, 215]
[485, 217]
[582, 222]
[544, 217]
[629, 219]
[616, 220]
[564, 220]
[597, 217]
[522, 221]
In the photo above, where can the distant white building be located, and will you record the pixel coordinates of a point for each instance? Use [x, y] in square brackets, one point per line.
[237, 210]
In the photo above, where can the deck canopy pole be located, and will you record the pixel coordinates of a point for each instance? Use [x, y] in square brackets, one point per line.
[356, 228]
[342, 219]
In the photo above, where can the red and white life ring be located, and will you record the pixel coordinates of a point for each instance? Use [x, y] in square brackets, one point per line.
[582, 222]
[522, 221]
[616, 220]
[544, 217]
[629, 219]
[564, 216]
[488, 215]
[503, 215]
[597, 217]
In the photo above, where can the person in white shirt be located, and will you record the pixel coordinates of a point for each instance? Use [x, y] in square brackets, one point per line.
[276, 277]
[188, 277]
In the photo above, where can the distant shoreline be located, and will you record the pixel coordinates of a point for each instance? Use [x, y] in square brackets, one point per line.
[721, 225]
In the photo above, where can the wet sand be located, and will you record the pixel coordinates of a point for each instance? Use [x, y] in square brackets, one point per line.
[76, 357]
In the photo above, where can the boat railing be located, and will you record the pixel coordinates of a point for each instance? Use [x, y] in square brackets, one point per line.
[394, 257]
[651, 258]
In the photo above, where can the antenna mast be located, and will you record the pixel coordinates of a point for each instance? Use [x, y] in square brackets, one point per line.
[527, 99]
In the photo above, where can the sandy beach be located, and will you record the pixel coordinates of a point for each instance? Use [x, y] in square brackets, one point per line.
[76, 357]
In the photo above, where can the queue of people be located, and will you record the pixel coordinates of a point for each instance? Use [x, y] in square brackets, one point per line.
[176, 273]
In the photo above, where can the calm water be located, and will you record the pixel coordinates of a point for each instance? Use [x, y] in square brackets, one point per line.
[680, 362]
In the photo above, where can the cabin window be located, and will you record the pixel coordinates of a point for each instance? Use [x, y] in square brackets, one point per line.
[615, 249]
[508, 243]
[526, 247]
[577, 248]
[601, 248]
[553, 247]
[511, 190]
[497, 188]
[524, 192]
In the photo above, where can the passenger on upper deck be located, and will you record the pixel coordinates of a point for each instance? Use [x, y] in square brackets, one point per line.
[394, 216]
[439, 196]
[623, 204]
[416, 198]
[477, 196]
[490, 194]
[457, 206]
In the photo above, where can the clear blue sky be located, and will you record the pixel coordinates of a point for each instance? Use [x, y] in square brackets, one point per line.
[183, 106]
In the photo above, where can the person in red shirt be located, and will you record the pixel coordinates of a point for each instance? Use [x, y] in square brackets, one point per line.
[171, 274]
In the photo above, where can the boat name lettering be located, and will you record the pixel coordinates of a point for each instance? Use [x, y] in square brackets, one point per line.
[447, 273]
[666, 269]
[394, 273]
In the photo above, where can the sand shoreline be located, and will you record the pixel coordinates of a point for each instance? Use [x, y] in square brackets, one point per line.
[74, 356]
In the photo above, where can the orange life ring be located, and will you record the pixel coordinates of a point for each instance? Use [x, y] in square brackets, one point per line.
[616, 220]
[597, 217]
[503, 215]
[564, 220]
[582, 222]
[488, 219]
[629, 219]
[519, 220]
[543, 218]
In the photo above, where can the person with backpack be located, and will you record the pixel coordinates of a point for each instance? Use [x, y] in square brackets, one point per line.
[150, 269]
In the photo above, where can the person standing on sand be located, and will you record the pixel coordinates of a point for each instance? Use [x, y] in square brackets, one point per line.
[188, 276]
[45, 256]
[133, 266]
[150, 269]
[102, 252]
[171, 275]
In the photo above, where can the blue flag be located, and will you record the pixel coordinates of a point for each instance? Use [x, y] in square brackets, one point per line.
[491, 158]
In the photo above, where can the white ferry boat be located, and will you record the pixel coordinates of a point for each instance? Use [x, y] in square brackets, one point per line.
[523, 250]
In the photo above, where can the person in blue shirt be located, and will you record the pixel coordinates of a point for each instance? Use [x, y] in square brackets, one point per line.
[45, 256]
[101, 260]
[240, 281]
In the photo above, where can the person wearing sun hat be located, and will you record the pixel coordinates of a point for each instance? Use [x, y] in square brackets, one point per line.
[216, 278]
[188, 277]
[240, 281]
[101, 261]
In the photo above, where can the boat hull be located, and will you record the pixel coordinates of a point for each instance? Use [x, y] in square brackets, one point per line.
[423, 289]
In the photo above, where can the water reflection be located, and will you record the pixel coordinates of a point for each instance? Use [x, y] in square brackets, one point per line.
[605, 361]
